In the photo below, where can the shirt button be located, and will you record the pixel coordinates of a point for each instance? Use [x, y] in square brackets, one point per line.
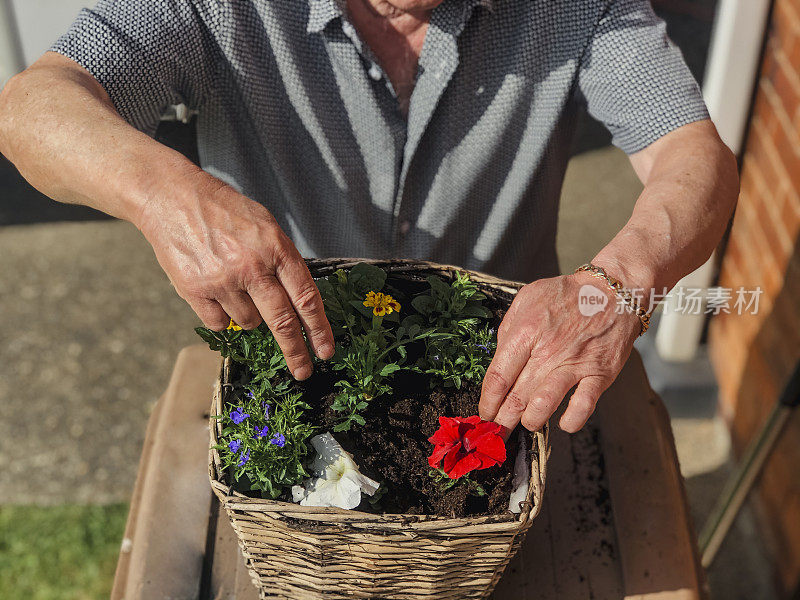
[405, 226]
[375, 72]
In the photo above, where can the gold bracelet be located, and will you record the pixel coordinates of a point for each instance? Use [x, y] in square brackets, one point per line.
[621, 291]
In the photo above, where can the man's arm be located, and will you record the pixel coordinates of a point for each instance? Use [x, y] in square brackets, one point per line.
[224, 253]
[546, 346]
[691, 185]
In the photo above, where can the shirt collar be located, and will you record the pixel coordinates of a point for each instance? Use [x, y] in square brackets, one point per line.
[322, 12]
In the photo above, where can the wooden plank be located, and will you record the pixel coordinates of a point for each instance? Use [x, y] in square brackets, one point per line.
[123, 563]
[531, 575]
[168, 520]
[570, 549]
[656, 538]
[228, 577]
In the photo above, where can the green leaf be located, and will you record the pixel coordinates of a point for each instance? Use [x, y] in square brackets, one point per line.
[476, 310]
[389, 369]
[423, 304]
[206, 334]
[325, 288]
[439, 287]
[367, 278]
[410, 320]
[345, 426]
[365, 311]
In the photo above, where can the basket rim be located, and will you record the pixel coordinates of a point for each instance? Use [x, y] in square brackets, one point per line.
[387, 521]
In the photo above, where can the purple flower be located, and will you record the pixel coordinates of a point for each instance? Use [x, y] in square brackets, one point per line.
[234, 446]
[243, 458]
[249, 394]
[266, 408]
[261, 432]
[238, 415]
[278, 440]
[483, 347]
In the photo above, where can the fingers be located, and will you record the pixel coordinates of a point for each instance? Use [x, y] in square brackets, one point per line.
[547, 396]
[307, 302]
[516, 400]
[272, 302]
[508, 362]
[241, 309]
[210, 312]
[581, 405]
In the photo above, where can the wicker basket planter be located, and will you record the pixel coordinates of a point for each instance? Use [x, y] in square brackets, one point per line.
[304, 553]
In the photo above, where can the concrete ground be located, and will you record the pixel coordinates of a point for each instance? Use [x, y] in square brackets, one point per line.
[91, 328]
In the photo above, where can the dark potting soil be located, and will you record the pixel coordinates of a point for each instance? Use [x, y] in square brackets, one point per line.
[393, 448]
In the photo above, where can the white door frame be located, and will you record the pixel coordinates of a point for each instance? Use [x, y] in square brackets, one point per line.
[11, 59]
[730, 79]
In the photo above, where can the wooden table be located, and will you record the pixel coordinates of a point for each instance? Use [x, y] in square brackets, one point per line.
[615, 522]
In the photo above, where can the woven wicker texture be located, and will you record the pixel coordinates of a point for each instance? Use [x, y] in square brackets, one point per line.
[297, 552]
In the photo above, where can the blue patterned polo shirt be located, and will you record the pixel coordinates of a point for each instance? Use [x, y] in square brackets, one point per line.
[296, 113]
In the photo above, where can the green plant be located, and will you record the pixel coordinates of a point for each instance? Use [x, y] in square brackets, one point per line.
[372, 346]
[375, 499]
[459, 358]
[257, 350]
[343, 295]
[369, 361]
[265, 442]
[454, 308]
[464, 349]
[444, 482]
[265, 435]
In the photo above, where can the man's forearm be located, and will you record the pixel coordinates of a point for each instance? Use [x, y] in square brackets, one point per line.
[691, 186]
[60, 129]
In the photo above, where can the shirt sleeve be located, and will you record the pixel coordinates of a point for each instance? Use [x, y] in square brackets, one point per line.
[634, 79]
[147, 54]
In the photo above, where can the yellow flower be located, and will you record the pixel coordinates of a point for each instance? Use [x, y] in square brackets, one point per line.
[234, 326]
[382, 304]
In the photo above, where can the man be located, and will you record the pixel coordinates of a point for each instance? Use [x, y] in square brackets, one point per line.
[434, 129]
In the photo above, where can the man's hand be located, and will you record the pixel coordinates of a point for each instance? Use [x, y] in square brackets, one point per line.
[545, 346]
[228, 258]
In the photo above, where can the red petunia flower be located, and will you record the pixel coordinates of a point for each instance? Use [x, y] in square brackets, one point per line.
[464, 445]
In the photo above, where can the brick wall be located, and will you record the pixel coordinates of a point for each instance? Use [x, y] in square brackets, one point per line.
[754, 354]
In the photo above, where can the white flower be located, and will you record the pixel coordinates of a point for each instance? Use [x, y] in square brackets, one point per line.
[337, 480]
[522, 475]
